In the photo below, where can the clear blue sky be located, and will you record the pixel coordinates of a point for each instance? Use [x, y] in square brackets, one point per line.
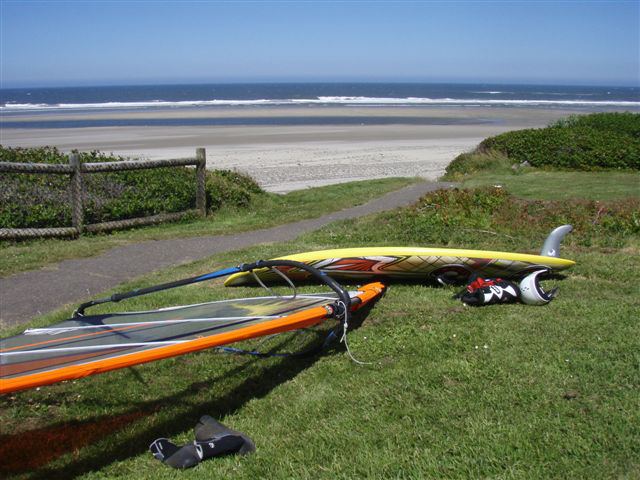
[133, 42]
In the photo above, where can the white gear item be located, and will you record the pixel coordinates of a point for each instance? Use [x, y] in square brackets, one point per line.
[532, 293]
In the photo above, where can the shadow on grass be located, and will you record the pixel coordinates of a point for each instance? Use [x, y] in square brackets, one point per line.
[30, 450]
[27, 453]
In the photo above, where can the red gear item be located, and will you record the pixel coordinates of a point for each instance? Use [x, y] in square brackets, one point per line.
[487, 291]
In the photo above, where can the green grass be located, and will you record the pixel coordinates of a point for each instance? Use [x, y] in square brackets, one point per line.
[479, 169]
[548, 392]
[558, 185]
[266, 210]
[506, 391]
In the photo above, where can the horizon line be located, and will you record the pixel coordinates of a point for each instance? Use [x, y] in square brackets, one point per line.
[316, 82]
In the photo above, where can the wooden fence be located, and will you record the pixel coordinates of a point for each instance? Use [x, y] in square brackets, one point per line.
[76, 171]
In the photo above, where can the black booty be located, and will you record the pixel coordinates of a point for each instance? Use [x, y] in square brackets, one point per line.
[177, 457]
[210, 431]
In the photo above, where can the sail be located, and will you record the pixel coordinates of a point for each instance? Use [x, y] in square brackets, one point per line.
[86, 345]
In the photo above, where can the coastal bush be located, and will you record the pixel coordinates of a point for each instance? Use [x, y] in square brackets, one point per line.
[590, 142]
[626, 123]
[600, 141]
[41, 200]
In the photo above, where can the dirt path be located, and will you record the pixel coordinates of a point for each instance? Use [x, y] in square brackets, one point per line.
[28, 294]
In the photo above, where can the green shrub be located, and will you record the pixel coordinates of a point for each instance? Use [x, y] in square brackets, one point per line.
[591, 142]
[227, 187]
[42, 200]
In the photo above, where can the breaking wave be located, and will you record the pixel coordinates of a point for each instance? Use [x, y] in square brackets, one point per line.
[321, 100]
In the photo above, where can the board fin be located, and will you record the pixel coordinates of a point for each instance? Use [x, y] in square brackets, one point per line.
[551, 247]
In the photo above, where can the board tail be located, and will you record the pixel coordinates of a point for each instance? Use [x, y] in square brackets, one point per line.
[551, 247]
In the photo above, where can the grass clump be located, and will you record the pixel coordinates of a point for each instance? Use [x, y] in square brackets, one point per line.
[475, 162]
[42, 200]
[492, 217]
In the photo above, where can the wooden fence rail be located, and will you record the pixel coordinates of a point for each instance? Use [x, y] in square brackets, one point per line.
[76, 171]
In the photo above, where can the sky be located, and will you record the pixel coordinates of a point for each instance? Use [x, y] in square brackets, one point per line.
[69, 43]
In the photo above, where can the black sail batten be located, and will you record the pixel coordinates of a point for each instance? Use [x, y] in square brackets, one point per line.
[245, 267]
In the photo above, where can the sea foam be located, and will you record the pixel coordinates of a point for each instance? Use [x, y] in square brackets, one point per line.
[320, 100]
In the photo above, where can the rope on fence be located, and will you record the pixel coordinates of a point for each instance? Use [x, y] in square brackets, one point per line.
[19, 167]
[24, 233]
[136, 165]
[137, 222]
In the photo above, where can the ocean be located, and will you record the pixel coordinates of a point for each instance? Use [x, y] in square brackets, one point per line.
[18, 103]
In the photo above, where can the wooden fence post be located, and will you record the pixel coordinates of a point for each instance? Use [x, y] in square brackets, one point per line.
[77, 207]
[201, 192]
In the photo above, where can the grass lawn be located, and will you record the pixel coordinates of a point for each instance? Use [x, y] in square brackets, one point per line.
[558, 185]
[506, 391]
[267, 210]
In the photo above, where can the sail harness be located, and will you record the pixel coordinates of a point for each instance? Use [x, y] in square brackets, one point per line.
[341, 313]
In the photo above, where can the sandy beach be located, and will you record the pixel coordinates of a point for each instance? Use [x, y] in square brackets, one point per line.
[283, 157]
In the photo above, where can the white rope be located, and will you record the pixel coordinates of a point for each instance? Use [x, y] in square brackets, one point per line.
[345, 327]
[59, 330]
